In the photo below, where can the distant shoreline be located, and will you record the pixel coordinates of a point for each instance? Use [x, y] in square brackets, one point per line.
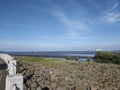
[56, 54]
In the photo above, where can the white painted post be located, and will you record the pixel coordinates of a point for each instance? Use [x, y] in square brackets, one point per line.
[14, 81]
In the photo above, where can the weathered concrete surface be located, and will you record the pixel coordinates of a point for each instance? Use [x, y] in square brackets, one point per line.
[3, 74]
[14, 82]
[11, 63]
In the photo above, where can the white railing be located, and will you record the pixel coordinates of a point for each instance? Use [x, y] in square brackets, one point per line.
[13, 81]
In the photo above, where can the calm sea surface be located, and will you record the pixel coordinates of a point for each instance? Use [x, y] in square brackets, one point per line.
[82, 56]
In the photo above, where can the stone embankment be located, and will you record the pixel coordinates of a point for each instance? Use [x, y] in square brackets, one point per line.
[70, 75]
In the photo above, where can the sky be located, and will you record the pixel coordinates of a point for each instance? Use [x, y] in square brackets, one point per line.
[59, 25]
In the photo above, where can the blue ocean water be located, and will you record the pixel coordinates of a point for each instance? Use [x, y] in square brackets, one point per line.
[82, 56]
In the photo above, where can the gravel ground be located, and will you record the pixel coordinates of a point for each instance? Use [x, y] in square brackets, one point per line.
[70, 75]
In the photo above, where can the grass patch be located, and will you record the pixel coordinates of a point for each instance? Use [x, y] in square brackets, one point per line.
[73, 63]
[51, 62]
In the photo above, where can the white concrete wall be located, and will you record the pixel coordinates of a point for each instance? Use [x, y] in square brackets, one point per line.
[6, 57]
[11, 63]
[14, 81]
[12, 67]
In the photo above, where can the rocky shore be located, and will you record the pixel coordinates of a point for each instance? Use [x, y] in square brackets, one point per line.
[70, 75]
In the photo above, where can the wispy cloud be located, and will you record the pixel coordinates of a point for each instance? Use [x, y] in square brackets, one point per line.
[115, 5]
[111, 14]
[110, 17]
[70, 23]
[73, 26]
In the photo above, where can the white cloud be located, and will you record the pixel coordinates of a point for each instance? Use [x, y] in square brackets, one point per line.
[112, 13]
[111, 17]
[115, 5]
[73, 26]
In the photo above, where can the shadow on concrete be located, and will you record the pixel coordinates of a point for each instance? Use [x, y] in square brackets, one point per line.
[3, 66]
[3, 79]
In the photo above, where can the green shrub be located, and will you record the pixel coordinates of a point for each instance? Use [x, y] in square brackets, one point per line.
[88, 59]
[76, 58]
[107, 57]
[68, 58]
[73, 63]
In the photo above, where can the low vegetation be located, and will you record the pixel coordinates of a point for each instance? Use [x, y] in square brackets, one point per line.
[107, 57]
[71, 58]
[50, 62]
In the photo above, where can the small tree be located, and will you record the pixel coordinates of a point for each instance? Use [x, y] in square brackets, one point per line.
[88, 59]
[76, 58]
[68, 58]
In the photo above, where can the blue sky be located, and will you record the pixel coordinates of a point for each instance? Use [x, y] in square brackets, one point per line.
[62, 25]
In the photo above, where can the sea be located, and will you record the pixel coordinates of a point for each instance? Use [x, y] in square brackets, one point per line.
[61, 55]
